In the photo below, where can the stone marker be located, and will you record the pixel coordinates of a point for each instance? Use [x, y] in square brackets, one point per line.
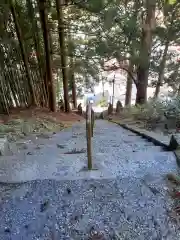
[4, 147]
[119, 107]
[103, 114]
[174, 143]
[110, 109]
[61, 105]
[80, 111]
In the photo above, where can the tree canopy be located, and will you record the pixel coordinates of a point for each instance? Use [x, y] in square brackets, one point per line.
[53, 49]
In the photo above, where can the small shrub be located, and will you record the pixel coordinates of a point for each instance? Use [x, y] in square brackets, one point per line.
[155, 112]
[102, 103]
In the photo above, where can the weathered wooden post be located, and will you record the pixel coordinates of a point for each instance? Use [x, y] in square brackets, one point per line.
[92, 122]
[89, 134]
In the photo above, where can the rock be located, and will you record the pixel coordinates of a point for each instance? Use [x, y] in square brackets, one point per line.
[7, 230]
[29, 153]
[174, 143]
[4, 147]
[104, 114]
[119, 107]
[80, 110]
[158, 122]
[26, 226]
[97, 115]
[43, 135]
[60, 146]
[94, 235]
[173, 178]
[61, 105]
[110, 109]
[171, 123]
[177, 153]
[68, 190]
[26, 128]
[44, 206]
[22, 145]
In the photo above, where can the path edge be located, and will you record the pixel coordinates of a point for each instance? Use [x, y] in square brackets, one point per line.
[147, 135]
[143, 134]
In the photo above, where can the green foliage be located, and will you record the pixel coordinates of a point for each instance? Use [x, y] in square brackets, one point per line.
[109, 17]
[156, 112]
[102, 103]
[145, 112]
[171, 2]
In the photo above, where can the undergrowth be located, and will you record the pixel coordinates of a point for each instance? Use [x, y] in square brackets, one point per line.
[156, 113]
[18, 128]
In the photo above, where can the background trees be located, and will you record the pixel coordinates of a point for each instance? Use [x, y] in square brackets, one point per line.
[56, 48]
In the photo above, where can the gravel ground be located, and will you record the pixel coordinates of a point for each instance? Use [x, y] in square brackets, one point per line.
[129, 203]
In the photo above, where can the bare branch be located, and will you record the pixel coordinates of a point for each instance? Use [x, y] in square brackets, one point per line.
[114, 68]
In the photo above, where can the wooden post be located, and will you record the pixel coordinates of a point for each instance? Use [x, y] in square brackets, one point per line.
[113, 92]
[92, 122]
[89, 135]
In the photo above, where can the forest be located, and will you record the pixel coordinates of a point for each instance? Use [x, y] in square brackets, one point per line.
[53, 49]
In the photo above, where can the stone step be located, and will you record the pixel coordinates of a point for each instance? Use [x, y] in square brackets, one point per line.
[61, 167]
[122, 139]
[139, 163]
[123, 150]
[149, 148]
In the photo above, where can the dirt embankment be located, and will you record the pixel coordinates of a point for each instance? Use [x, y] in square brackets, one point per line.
[25, 121]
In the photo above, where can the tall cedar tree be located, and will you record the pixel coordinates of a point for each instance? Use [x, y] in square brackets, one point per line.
[23, 52]
[64, 66]
[50, 83]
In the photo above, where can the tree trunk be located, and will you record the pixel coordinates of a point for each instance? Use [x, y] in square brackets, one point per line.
[72, 80]
[161, 70]
[132, 45]
[23, 52]
[49, 22]
[63, 54]
[145, 52]
[129, 84]
[141, 94]
[35, 32]
[3, 97]
[178, 91]
[71, 70]
[74, 98]
[51, 89]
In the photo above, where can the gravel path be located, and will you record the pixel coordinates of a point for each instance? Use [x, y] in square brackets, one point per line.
[125, 199]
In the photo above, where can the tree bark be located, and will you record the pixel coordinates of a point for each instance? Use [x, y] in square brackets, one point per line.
[141, 94]
[71, 70]
[63, 54]
[129, 84]
[23, 53]
[131, 41]
[161, 70]
[38, 49]
[51, 89]
[74, 97]
[72, 81]
[145, 52]
[164, 58]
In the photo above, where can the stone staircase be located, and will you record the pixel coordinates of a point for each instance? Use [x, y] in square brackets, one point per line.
[116, 153]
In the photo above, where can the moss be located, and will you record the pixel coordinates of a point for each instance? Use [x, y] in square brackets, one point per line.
[173, 178]
[18, 128]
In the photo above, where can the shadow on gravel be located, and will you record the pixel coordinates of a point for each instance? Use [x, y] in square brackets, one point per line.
[76, 151]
